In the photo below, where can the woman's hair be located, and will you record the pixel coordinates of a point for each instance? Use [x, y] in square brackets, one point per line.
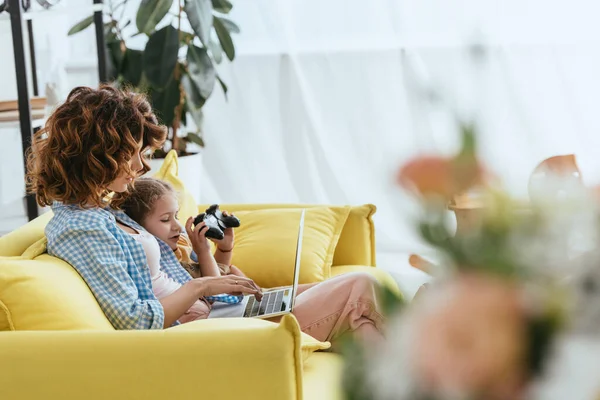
[87, 143]
[143, 194]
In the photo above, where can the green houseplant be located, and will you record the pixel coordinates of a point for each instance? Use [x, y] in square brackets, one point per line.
[186, 40]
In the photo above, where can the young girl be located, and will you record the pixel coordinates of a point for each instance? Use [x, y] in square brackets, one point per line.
[153, 204]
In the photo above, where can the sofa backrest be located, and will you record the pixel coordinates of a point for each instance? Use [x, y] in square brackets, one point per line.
[357, 240]
[355, 247]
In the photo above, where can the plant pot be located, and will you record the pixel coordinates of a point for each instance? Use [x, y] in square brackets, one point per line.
[190, 170]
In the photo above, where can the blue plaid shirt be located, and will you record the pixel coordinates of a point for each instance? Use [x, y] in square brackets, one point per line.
[113, 264]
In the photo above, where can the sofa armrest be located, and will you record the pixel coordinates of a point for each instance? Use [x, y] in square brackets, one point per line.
[211, 359]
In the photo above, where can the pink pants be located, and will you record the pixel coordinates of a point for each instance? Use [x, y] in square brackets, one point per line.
[199, 310]
[345, 304]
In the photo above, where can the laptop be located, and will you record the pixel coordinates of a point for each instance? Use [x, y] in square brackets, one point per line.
[274, 302]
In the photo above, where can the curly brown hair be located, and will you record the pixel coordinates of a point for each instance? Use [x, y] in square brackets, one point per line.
[87, 143]
[143, 193]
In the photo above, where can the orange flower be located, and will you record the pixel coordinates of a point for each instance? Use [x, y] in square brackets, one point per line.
[432, 176]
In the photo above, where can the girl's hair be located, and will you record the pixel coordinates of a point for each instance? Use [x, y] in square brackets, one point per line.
[143, 194]
[87, 143]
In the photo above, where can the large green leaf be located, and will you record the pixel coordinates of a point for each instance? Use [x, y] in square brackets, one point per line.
[195, 101]
[150, 13]
[112, 69]
[81, 25]
[116, 53]
[160, 56]
[229, 24]
[224, 38]
[222, 6]
[197, 116]
[201, 70]
[132, 66]
[109, 34]
[216, 51]
[164, 102]
[184, 113]
[195, 138]
[113, 51]
[199, 14]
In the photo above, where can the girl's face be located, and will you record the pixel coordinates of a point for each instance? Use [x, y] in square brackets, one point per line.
[119, 185]
[162, 220]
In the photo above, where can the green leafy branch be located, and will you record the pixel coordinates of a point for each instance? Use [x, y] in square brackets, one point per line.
[176, 68]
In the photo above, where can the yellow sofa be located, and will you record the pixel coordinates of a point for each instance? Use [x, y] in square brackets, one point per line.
[51, 356]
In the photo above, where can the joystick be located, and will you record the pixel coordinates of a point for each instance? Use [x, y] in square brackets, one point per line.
[216, 222]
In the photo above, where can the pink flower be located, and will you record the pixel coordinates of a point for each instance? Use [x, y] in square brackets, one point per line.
[471, 338]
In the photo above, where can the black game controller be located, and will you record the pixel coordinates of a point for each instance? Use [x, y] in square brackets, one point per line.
[216, 222]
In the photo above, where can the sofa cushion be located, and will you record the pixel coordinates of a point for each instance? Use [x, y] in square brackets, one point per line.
[356, 245]
[310, 345]
[357, 242]
[46, 294]
[266, 242]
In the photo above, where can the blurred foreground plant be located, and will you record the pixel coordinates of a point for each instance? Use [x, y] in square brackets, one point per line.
[485, 328]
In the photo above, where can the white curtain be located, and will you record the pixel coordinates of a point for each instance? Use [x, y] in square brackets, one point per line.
[327, 98]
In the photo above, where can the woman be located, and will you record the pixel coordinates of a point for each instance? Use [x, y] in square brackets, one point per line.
[92, 147]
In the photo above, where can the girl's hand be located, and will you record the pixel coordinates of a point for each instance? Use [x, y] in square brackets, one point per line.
[226, 244]
[230, 284]
[197, 235]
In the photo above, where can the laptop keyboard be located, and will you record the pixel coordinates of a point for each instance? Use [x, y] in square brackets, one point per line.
[271, 302]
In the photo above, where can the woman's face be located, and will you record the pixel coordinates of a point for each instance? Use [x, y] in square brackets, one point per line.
[119, 185]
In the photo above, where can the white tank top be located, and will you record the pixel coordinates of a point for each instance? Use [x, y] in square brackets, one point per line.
[162, 285]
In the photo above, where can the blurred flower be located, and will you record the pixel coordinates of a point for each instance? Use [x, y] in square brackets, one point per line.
[473, 342]
[559, 165]
[432, 176]
[485, 329]
[555, 178]
[468, 337]
[435, 177]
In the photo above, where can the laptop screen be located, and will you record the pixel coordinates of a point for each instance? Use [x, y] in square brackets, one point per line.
[298, 254]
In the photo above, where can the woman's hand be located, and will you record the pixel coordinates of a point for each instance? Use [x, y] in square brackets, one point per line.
[226, 244]
[230, 284]
[197, 235]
